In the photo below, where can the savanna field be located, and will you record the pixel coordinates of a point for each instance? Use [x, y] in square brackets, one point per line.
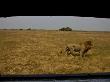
[38, 52]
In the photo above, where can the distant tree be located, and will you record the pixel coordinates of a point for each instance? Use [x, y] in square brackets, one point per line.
[20, 29]
[4, 29]
[65, 29]
[29, 29]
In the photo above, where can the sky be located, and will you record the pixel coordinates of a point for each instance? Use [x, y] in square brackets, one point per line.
[56, 22]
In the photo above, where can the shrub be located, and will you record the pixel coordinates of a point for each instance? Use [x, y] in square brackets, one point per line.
[29, 29]
[21, 29]
[65, 29]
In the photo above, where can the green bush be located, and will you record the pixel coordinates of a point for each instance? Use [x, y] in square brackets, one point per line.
[65, 29]
[29, 29]
[21, 29]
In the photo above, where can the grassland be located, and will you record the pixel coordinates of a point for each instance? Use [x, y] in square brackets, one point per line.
[37, 52]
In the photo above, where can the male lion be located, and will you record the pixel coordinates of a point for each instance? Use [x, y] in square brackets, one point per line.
[79, 48]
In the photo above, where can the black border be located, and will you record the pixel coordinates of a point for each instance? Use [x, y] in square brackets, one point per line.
[56, 8]
[36, 77]
[60, 10]
[95, 16]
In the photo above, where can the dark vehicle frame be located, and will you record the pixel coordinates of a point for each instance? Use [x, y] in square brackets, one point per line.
[37, 77]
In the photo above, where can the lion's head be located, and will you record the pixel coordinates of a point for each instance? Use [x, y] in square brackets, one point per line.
[87, 46]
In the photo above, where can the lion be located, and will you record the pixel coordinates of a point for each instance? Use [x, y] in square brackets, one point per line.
[80, 49]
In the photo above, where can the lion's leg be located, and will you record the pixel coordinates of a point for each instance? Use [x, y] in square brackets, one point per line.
[67, 51]
[82, 54]
[72, 51]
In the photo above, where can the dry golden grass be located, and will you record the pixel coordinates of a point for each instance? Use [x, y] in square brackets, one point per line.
[37, 52]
